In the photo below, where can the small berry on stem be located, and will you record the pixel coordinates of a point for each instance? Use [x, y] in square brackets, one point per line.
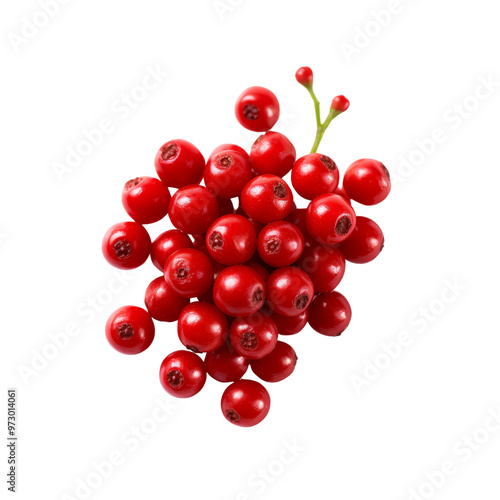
[339, 104]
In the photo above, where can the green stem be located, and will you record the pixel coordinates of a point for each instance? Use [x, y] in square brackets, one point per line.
[321, 129]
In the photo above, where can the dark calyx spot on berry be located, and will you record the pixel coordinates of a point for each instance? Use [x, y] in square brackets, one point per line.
[272, 246]
[122, 249]
[169, 152]
[182, 273]
[251, 112]
[258, 295]
[249, 341]
[225, 161]
[216, 241]
[280, 191]
[328, 163]
[133, 182]
[125, 330]
[232, 416]
[301, 301]
[386, 172]
[193, 348]
[175, 379]
[343, 225]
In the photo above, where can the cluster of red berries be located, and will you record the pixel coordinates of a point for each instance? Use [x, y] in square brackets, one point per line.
[263, 270]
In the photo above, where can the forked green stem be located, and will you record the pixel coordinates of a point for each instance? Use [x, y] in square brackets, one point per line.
[320, 127]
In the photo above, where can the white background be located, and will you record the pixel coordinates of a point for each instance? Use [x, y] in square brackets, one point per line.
[379, 441]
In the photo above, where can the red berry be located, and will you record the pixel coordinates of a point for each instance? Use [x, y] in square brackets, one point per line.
[166, 244]
[254, 336]
[245, 403]
[272, 153]
[340, 103]
[257, 109]
[314, 174]
[192, 209]
[280, 243]
[146, 199]
[324, 265]
[179, 163]
[289, 291]
[189, 272]
[364, 243]
[304, 76]
[290, 325]
[130, 330]
[198, 241]
[330, 314]
[330, 219]
[162, 302]
[227, 173]
[126, 245]
[183, 374]
[202, 327]
[267, 198]
[226, 206]
[231, 240]
[367, 181]
[239, 291]
[226, 365]
[230, 147]
[277, 365]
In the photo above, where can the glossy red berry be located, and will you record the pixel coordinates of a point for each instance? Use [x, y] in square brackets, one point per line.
[367, 182]
[289, 291]
[330, 219]
[324, 265]
[227, 173]
[189, 272]
[202, 327]
[257, 109]
[162, 302]
[208, 296]
[166, 244]
[146, 199]
[272, 153]
[178, 163]
[340, 103]
[231, 240]
[330, 314]
[239, 291]
[193, 208]
[314, 174]
[277, 365]
[304, 76]
[364, 243]
[267, 198]
[130, 330]
[183, 374]
[230, 147]
[253, 336]
[245, 403]
[280, 243]
[290, 325]
[225, 364]
[126, 245]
